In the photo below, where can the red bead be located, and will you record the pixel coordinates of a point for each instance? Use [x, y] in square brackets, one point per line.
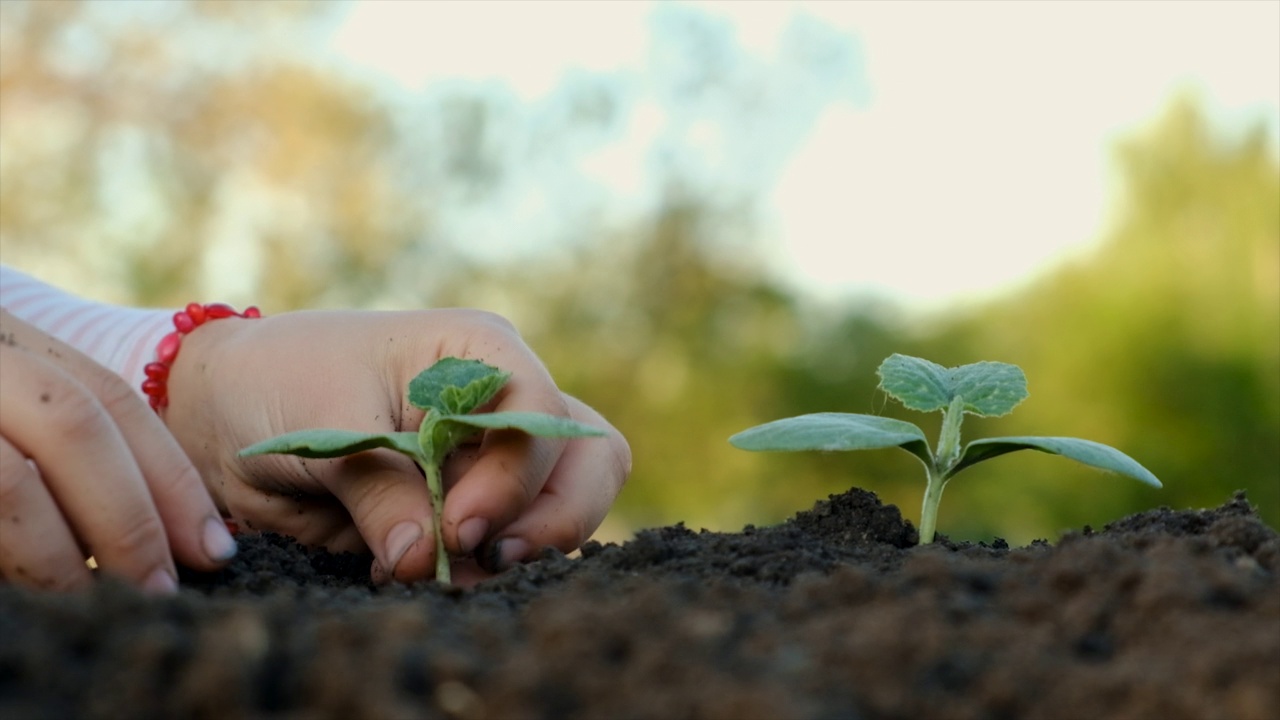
[188, 319]
[167, 350]
[183, 322]
[215, 311]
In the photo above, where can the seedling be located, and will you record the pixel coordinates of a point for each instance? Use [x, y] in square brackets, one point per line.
[988, 389]
[449, 391]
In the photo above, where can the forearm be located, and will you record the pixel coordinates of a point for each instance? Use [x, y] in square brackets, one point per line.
[122, 340]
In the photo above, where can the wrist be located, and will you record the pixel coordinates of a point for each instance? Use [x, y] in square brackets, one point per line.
[183, 383]
[185, 322]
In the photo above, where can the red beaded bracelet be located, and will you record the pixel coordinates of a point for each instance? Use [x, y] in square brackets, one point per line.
[156, 386]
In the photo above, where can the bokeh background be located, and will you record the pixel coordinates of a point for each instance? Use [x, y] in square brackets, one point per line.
[706, 216]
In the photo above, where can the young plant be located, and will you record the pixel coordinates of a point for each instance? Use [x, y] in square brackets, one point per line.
[449, 391]
[987, 389]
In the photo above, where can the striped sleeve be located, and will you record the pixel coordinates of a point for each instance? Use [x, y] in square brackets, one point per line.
[120, 339]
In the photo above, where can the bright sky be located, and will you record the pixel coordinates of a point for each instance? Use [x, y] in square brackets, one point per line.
[980, 156]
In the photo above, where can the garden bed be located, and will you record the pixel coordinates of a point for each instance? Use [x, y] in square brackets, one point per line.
[833, 614]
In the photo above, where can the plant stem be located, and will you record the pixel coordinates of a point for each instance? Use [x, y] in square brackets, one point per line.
[929, 512]
[434, 484]
[946, 458]
[949, 437]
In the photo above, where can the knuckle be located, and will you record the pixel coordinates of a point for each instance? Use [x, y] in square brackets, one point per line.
[530, 476]
[73, 413]
[521, 493]
[490, 320]
[134, 542]
[375, 499]
[113, 392]
[560, 524]
[369, 500]
[555, 404]
[569, 535]
[175, 476]
[484, 329]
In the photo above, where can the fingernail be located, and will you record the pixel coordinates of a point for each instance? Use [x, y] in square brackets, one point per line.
[505, 553]
[160, 582]
[398, 541]
[218, 543]
[471, 532]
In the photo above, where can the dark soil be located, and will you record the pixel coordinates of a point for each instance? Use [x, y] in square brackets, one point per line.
[834, 614]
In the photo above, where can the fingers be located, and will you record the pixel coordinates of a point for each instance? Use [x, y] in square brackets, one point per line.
[490, 485]
[37, 548]
[388, 497]
[507, 482]
[388, 500]
[193, 526]
[511, 469]
[574, 501]
[115, 479]
[91, 477]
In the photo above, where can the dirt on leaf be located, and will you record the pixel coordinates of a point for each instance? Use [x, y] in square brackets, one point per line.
[834, 614]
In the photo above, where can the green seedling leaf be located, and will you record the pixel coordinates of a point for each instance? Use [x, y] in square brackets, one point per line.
[532, 423]
[832, 432]
[449, 431]
[917, 383]
[449, 391]
[982, 388]
[1088, 452]
[987, 388]
[321, 443]
[454, 386]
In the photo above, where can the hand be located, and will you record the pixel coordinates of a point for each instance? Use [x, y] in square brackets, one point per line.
[237, 382]
[87, 469]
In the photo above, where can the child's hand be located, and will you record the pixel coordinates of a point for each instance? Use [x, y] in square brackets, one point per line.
[86, 468]
[237, 382]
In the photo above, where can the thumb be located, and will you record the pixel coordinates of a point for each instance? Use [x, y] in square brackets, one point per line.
[388, 500]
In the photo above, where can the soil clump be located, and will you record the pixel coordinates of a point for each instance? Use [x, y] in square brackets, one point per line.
[832, 614]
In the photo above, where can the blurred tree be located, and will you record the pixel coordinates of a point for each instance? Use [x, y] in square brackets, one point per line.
[148, 149]
[659, 331]
[156, 145]
[1165, 343]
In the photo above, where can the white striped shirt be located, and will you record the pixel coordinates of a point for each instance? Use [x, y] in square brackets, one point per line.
[120, 339]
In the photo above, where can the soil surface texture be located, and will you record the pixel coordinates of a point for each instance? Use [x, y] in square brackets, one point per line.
[1163, 615]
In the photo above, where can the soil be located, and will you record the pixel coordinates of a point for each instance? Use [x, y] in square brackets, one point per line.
[833, 614]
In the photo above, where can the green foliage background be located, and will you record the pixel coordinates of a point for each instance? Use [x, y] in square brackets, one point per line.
[188, 136]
